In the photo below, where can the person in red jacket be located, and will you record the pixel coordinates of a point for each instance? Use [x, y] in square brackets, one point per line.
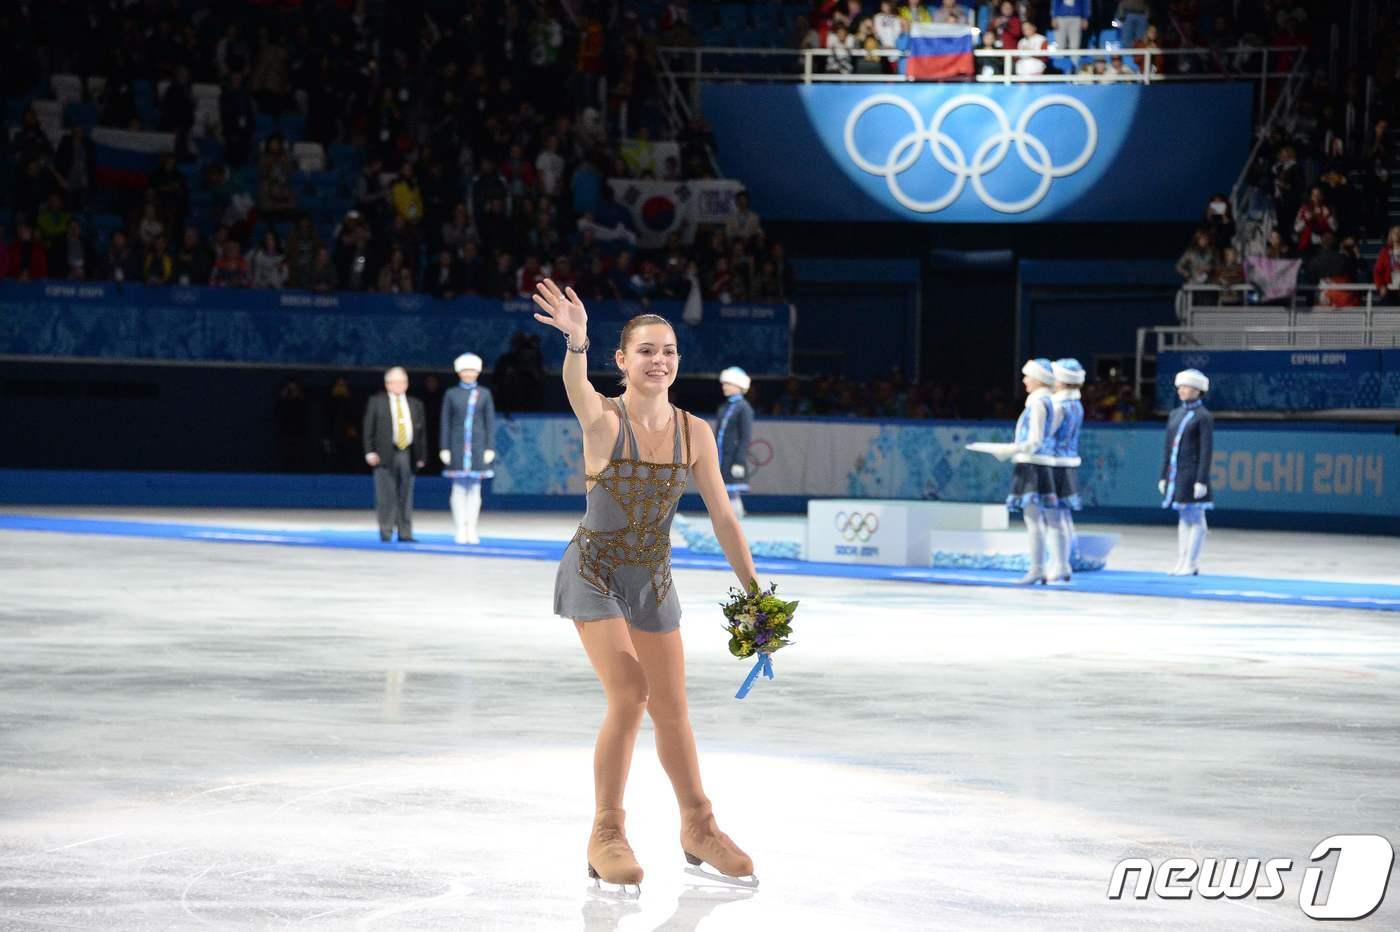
[1386, 275]
[1314, 220]
[25, 259]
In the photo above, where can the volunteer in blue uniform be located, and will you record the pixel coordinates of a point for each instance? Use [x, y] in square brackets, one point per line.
[1185, 480]
[733, 433]
[469, 444]
[1069, 419]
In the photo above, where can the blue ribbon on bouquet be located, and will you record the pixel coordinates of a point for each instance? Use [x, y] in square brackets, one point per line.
[764, 665]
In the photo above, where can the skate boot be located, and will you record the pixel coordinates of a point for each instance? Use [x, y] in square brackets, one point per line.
[704, 844]
[610, 858]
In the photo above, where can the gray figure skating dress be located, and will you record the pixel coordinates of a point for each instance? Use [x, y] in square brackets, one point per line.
[619, 561]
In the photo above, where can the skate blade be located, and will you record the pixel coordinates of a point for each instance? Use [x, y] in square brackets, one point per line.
[607, 890]
[711, 895]
[615, 891]
[748, 883]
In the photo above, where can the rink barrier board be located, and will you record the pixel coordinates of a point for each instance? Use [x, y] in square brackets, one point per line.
[1252, 590]
[289, 328]
[56, 488]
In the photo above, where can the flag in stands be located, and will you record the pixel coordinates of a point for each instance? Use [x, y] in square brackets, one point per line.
[940, 50]
[126, 158]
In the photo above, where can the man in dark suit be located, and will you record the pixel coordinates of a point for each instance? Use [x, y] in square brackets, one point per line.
[396, 446]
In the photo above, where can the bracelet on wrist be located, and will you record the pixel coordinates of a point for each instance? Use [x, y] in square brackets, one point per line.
[568, 345]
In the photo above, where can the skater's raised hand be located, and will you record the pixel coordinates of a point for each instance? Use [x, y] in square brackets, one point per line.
[562, 310]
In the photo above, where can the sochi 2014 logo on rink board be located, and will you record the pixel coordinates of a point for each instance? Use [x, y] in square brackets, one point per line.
[1355, 889]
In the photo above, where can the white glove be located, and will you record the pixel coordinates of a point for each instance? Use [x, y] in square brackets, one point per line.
[1200, 490]
[736, 471]
[445, 456]
[488, 457]
[1161, 487]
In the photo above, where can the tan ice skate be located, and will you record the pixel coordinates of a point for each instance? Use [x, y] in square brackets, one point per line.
[610, 858]
[704, 844]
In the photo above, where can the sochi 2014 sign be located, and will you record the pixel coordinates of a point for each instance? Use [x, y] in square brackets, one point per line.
[981, 153]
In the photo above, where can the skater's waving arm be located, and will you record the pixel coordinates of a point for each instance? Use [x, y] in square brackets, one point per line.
[563, 311]
[703, 458]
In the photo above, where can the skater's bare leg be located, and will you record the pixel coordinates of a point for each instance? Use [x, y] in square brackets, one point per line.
[663, 659]
[608, 644]
[609, 648]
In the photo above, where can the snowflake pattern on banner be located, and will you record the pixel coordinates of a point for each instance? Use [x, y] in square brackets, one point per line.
[1388, 391]
[537, 456]
[1017, 562]
[103, 320]
[930, 463]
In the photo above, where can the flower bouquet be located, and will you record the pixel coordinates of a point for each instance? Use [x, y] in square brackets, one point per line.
[759, 623]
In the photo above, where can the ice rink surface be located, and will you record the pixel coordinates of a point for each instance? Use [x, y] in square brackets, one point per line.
[207, 736]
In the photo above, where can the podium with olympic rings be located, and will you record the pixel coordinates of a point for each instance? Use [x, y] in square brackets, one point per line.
[890, 532]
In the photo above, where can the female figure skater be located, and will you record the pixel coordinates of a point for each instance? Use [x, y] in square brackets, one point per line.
[1185, 481]
[614, 580]
[1069, 418]
[732, 436]
[468, 441]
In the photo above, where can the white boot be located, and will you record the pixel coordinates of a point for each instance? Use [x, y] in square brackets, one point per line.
[458, 501]
[1035, 534]
[1183, 536]
[1195, 542]
[1057, 540]
[473, 512]
[737, 502]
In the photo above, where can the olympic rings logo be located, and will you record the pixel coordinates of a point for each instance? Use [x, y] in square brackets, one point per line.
[857, 526]
[760, 454]
[989, 155]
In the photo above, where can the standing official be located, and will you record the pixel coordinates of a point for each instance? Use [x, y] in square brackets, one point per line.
[396, 446]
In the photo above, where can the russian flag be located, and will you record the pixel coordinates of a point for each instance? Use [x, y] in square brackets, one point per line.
[940, 50]
[126, 158]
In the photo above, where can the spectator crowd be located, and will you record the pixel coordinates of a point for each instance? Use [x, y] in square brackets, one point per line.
[1316, 201]
[467, 150]
[1205, 36]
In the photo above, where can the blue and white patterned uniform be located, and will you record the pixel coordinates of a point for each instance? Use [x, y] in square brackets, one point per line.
[1069, 421]
[1032, 481]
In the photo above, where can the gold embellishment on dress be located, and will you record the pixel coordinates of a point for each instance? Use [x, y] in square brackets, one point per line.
[646, 492]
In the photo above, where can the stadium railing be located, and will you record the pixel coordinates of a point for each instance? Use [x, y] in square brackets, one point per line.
[1194, 299]
[1307, 326]
[808, 66]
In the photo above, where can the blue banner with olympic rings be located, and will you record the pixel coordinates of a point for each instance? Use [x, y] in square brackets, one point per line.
[969, 153]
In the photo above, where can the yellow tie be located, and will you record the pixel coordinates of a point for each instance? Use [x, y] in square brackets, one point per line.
[400, 426]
